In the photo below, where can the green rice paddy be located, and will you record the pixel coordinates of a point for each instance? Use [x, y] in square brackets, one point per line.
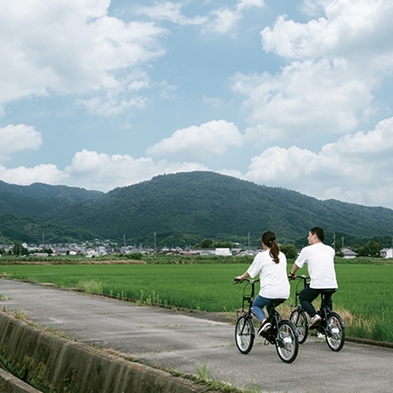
[364, 298]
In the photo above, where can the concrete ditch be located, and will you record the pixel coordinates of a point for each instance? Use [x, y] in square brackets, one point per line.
[55, 364]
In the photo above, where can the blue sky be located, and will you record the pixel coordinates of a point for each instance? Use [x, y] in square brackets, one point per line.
[296, 94]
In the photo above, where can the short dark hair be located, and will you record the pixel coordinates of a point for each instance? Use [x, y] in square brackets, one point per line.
[319, 232]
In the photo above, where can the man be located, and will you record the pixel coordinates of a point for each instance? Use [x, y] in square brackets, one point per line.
[320, 263]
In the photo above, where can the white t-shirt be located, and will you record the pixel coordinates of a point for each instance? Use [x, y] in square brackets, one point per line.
[320, 262]
[274, 281]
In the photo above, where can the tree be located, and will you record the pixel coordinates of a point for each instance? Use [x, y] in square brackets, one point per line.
[223, 245]
[18, 249]
[289, 250]
[370, 249]
[207, 243]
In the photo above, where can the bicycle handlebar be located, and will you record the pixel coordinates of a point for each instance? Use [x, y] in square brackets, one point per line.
[251, 281]
[302, 277]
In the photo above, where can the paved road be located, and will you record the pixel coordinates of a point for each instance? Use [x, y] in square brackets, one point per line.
[188, 343]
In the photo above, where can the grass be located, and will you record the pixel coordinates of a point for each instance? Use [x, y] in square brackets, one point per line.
[363, 299]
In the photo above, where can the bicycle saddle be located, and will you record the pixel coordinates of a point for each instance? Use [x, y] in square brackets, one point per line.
[328, 291]
[276, 302]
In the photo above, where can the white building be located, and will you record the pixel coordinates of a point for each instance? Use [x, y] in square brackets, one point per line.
[386, 253]
[348, 254]
[223, 252]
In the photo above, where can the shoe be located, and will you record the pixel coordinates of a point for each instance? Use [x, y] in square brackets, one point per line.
[264, 328]
[314, 321]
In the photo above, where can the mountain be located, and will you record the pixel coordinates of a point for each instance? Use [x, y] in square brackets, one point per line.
[185, 208]
[22, 209]
[210, 205]
[39, 198]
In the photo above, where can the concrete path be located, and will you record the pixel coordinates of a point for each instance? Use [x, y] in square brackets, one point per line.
[189, 344]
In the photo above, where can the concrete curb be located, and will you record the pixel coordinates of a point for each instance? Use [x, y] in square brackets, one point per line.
[51, 363]
[11, 384]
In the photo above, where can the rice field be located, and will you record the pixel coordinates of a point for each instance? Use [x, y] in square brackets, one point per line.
[364, 298]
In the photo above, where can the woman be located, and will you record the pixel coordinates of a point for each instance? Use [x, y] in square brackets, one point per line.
[271, 264]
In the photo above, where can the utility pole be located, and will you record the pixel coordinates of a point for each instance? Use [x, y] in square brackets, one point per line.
[334, 241]
[155, 242]
[248, 241]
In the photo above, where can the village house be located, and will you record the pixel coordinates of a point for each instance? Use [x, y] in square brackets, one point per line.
[348, 254]
[386, 253]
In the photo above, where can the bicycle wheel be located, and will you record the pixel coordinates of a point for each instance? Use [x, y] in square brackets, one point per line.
[299, 319]
[244, 334]
[287, 345]
[335, 332]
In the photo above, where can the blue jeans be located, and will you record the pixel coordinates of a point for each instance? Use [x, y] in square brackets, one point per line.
[307, 295]
[258, 305]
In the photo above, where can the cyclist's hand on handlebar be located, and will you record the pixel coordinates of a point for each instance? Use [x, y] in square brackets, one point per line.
[292, 276]
[238, 279]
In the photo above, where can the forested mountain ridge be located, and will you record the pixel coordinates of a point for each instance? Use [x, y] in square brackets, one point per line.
[207, 204]
[185, 208]
[39, 198]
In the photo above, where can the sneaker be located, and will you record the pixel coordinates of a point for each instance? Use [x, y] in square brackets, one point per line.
[314, 321]
[264, 328]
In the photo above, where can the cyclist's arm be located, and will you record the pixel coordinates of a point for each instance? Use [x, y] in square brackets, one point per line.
[242, 277]
[294, 270]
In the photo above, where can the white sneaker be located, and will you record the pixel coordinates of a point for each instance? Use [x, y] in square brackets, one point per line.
[314, 321]
[264, 328]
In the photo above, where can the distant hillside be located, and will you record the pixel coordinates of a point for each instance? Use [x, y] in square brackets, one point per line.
[38, 198]
[22, 209]
[184, 208]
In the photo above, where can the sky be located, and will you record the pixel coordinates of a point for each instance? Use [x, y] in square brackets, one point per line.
[295, 94]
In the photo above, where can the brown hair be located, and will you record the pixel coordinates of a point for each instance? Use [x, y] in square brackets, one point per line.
[269, 238]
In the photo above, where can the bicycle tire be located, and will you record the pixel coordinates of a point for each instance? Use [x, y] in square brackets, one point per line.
[335, 332]
[287, 345]
[299, 319]
[244, 334]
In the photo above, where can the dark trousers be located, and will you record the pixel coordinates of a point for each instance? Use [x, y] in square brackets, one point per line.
[308, 295]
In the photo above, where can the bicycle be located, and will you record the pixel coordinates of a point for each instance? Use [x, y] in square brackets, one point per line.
[331, 325]
[282, 334]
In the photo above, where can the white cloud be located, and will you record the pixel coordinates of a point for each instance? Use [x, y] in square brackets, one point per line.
[16, 138]
[213, 101]
[93, 170]
[168, 11]
[245, 4]
[338, 61]
[356, 168]
[48, 174]
[219, 21]
[199, 143]
[305, 98]
[97, 171]
[349, 29]
[224, 20]
[68, 46]
[111, 106]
